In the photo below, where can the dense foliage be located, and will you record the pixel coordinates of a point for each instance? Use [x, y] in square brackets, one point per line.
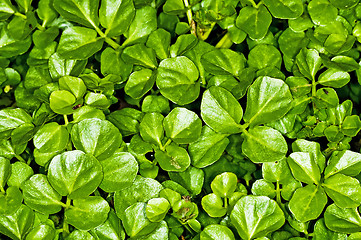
[180, 119]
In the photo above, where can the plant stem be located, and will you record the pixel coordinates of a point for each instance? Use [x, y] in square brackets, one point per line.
[66, 121]
[112, 43]
[189, 12]
[20, 158]
[2, 190]
[225, 203]
[225, 41]
[165, 145]
[278, 192]
[20, 15]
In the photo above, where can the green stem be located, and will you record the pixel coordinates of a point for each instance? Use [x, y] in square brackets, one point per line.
[225, 42]
[253, 3]
[190, 230]
[20, 158]
[112, 43]
[225, 203]
[313, 91]
[189, 12]
[20, 15]
[2, 190]
[278, 192]
[66, 121]
[165, 145]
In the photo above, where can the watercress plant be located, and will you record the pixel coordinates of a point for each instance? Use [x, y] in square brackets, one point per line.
[180, 119]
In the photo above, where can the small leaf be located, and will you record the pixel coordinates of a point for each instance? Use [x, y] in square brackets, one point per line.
[75, 174]
[308, 202]
[94, 209]
[256, 216]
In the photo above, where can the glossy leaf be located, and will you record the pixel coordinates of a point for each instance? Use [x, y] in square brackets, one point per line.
[94, 209]
[75, 174]
[97, 137]
[221, 111]
[267, 99]
[256, 216]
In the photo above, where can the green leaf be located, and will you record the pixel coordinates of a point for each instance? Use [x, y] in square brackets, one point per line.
[334, 78]
[345, 162]
[126, 120]
[268, 99]
[135, 221]
[12, 118]
[155, 103]
[75, 174]
[184, 44]
[322, 232]
[223, 62]
[120, 171]
[151, 128]
[351, 125]
[141, 55]
[5, 171]
[79, 43]
[144, 22]
[116, 16]
[174, 7]
[213, 205]
[345, 191]
[62, 102]
[182, 126]
[10, 201]
[59, 66]
[17, 224]
[276, 171]
[256, 216]
[314, 148]
[262, 187]
[139, 83]
[208, 148]
[77, 234]
[304, 167]
[254, 21]
[51, 137]
[97, 137]
[175, 158]
[264, 55]
[41, 196]
[326, 98]
[94, 209]
[6, 9]
[191, 179]
[177, 78]
[224, 184]
[97, 100]
[42, 232]
[322, 12]
[111, 229]
[216, 232]
[270, 144]
[84, 12]
[285, 9]
[308, 202]
[10, 47]
[20, 172]
[159, 41]
[308, 62]
[156, 209]
[221, 111]
[142, 190]
[112, 63]
[344, 220]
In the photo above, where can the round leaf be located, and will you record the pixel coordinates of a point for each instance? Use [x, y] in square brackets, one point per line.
[177, 78]
[75, 174]
[256, 216]
[94, 209]
[119, 170]
[97, 137]
[182, 126]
